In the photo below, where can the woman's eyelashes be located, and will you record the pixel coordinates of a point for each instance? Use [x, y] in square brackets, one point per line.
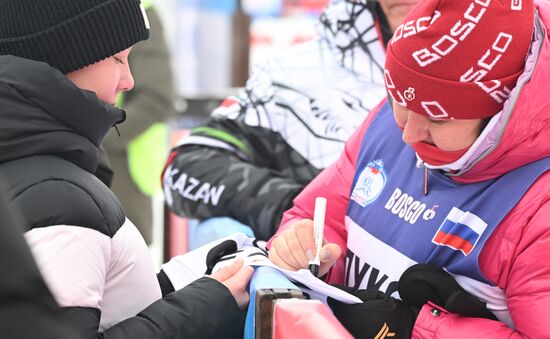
[438, 122]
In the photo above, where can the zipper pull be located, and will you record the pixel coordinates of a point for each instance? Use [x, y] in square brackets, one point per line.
[425, 180]
[120, 121]
[117, 131]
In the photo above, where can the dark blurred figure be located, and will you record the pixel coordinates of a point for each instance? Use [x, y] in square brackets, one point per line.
[27, 308]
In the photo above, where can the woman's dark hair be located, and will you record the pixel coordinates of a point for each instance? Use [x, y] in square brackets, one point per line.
[379, 16]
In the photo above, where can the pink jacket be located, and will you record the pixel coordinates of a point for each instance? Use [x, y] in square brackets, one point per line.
[515, 258]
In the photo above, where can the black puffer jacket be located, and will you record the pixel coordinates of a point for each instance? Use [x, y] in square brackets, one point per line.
[93, 259]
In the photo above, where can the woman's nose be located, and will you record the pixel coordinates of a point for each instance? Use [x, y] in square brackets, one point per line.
[415, 129]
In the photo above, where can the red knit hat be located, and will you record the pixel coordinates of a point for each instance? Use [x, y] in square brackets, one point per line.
[459, 59]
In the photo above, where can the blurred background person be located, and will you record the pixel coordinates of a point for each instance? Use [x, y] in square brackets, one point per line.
[291, 120]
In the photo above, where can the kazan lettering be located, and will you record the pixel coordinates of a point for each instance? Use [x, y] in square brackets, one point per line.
[459, 31]
[192, 189]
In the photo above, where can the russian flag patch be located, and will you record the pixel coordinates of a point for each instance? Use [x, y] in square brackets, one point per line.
[460, 231]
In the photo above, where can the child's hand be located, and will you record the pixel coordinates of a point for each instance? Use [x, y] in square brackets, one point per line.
[235, 277]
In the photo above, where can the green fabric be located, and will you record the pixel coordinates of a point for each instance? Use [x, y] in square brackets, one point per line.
[119, 100]
[147, 3]
[216, 133]
[146, 156]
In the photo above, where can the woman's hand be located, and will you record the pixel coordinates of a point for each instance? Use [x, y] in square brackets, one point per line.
[294, 247]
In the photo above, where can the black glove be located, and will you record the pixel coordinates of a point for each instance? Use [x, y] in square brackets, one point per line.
[227, 251]
[422, 283]
[216, 253]
[379, 316]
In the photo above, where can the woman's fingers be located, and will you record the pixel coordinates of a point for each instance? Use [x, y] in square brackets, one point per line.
[295, 247]
[281, 255]
[330, 253]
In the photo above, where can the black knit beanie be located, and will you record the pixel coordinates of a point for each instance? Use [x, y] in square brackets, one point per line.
[70, 34]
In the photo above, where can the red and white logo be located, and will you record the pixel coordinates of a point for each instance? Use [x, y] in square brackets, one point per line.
[516, 5]
[409, 94]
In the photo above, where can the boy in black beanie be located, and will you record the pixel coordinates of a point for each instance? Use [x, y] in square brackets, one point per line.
[62, 63]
